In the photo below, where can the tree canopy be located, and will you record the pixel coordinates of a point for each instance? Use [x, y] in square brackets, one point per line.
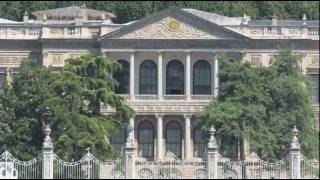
[74, 96]
[130, 11]
[261, 105]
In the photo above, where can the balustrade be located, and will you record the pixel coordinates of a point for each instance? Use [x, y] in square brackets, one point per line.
[20, 32]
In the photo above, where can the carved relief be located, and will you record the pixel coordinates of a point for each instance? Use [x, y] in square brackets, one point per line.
[11, 59]
[167, 28]
[161, 108]
[57, 59]
[313, 60]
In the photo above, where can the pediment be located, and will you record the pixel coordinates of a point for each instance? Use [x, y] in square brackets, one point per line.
[173, 24]
[168, 28]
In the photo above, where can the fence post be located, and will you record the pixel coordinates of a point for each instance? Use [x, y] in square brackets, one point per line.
[47, 155]
[212, 156]
[295, 156]
[130, 156]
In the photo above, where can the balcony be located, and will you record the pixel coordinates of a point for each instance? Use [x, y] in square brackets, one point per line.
[70, 32]
[167, 104]
[20, 32]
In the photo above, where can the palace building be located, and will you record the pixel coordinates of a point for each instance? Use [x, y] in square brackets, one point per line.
[170, 68]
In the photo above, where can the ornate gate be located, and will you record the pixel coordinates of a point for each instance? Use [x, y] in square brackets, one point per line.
[253, 168]
[11, 168]
[171, 169]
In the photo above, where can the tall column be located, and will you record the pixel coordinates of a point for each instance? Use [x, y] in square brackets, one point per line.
[159, 135]
[216, 76]
[160, 75]
[187, 137]
[8, 75]
[131, 92]
[188, 75]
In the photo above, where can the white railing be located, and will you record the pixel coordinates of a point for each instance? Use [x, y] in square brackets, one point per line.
[88, 167]
[309, 169]
[146, 97]
[174, 97]
[170, 169]
[11, 168]
[124, 96]
[202, 97]
[253, 168]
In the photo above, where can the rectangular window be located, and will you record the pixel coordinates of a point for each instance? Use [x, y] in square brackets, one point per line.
[315, 87]
[256, 60]
[2, 78]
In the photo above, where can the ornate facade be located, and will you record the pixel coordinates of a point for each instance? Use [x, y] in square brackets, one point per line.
[170, 68]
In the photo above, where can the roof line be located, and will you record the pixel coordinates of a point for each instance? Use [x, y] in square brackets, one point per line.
[172, 8]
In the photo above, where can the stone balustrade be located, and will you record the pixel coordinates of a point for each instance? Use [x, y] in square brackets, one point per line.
[202, 97]
[174, 97]
[20, 32]
[70, 31]
[146, 97]
[282, 32]
[34, 31]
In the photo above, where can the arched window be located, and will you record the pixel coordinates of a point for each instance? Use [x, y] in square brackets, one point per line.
[174, 138]
[145, 139]
[202, 77]
[123, 78]
[199, 143]
[148, 77]
[118, 140]
[175, 77]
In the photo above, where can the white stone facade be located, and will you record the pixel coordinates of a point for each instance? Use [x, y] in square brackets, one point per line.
[187, 36]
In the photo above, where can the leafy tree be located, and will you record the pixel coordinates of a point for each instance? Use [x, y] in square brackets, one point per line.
[261, 105]
[74, 96]
[131, 11]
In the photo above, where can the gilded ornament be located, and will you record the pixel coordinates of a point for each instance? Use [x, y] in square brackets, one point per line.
[173, 26]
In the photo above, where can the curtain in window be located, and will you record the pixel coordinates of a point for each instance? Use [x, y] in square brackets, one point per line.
[174, 138]
[145, 139]
[175, 77]
[2, 78]
[199, 143]
[315, 85]
[202, 78]
[148, 77]
[123, 78]
[118, 140]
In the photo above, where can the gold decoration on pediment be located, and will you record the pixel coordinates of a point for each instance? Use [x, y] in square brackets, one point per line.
[173, 26]
[167, 28]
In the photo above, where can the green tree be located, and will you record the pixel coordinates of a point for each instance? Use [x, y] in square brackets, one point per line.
[131, 11]
[261, 105]
[74, 96]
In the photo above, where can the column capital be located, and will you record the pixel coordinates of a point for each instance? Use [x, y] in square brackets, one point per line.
[187, 116]
[159, 116]
[132, 52]
[159, 52]
[188, 52]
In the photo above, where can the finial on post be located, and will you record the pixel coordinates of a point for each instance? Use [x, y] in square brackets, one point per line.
[47, 144]
[130, 140]
[295, 141]
[304, 20]
[212, 140]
